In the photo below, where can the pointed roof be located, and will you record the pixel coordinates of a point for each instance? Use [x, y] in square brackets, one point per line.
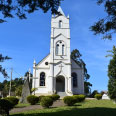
[61, 11]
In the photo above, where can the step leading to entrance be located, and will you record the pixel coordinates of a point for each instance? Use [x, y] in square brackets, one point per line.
[62, 94]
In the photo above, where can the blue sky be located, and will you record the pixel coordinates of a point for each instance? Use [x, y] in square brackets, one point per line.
[26, 40]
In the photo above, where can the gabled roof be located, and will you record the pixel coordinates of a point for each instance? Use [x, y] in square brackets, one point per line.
[43, 59]
[60, 35]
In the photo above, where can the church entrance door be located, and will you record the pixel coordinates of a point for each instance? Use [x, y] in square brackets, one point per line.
[60, 84]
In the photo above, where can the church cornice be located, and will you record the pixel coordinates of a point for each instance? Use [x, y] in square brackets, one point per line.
[42, 68]
[59, 35]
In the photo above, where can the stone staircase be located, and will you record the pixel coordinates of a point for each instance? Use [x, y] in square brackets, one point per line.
[62, 94]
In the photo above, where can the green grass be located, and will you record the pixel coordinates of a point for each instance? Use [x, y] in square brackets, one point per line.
[87, 108]
[20, 105]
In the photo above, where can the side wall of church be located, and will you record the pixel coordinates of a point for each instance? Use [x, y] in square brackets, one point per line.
[80, 78]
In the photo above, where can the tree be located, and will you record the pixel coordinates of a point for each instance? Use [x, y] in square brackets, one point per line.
[2, 70]
[94, 93]
[18, 90]
[107, 25]
[17, 83]
[10, 8]
[112, 75]
[76, 56]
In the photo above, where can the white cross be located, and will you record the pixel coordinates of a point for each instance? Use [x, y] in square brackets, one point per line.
[61, 66]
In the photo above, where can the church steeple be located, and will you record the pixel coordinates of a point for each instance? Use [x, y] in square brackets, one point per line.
[60, 37]
[61, 11]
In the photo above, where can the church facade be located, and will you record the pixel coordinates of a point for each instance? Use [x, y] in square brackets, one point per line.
[57, 72]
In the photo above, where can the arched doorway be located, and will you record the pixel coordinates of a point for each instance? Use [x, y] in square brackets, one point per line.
[60, 84]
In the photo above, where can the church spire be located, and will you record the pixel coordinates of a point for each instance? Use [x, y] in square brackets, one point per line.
[34, 63]
[61, 11]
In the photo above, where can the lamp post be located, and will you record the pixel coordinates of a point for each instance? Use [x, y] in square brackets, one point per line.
[10, 82]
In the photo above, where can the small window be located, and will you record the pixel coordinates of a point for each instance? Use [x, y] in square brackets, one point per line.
[60, 24]
[46, 63]
[42, 79]
[75, 81]
[57, 49]
[63, 50]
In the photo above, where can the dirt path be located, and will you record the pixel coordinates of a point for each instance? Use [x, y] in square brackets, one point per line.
[58, 103]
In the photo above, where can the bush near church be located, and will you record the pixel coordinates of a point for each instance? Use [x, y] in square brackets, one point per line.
[33, 99]
[98, 96]
[55, 97]
[5, 107]
[13, 100]
[79, 98]
[69, 100]
[46, 101]
[40, 97]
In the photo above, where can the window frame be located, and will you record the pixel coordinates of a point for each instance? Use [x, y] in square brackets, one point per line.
[60, 24]
[43, 80]
[75, 79]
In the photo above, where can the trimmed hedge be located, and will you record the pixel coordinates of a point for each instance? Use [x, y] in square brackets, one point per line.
[40, 97]
[81, 98]
[33, 99]
[69, 100]
[46, 101]
[55, 97]
[13, 100]
[98, 96]
[5, 107]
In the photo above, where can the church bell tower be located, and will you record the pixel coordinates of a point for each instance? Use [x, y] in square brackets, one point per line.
[60, 61]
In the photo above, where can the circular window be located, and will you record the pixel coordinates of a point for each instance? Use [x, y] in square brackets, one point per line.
[60, 41]
[46, 63]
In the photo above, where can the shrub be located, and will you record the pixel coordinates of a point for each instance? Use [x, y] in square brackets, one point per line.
[46, 102]
[13, 100]
[69, 100]
[40, 97]
[76, 97]
[33, 99]
[81, 98]
[98, 96]
[55, 97]
[5, 107]
[94, 93]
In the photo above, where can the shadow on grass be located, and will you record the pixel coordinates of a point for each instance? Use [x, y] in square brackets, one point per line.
[75, 112]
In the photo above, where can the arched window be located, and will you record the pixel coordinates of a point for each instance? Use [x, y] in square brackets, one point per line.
[42, 79]
[60, 24]
[75, 81]
[60, 49]
[57, 49]
[63, 50]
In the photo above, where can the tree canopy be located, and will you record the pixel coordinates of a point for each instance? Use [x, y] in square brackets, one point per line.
[10, 8]
[2, 70]
[107, 25]
[112, 75]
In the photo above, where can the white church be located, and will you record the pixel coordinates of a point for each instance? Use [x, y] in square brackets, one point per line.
[57, 72]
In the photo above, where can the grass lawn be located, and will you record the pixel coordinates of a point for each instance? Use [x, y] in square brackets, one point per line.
[87, 108]
[21, 105]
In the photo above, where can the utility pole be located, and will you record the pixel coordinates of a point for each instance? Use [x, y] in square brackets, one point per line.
[10, 82]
